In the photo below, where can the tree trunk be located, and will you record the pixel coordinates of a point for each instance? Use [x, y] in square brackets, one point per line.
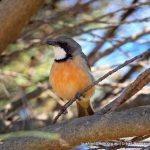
[14, 15]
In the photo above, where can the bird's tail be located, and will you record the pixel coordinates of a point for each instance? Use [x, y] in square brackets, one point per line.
[84, 111]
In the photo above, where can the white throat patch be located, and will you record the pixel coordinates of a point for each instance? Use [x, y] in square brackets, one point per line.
[59, 53]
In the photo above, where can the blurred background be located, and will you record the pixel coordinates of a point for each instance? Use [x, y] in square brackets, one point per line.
[109, 31]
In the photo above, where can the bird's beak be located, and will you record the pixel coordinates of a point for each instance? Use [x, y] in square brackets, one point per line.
[51, 42]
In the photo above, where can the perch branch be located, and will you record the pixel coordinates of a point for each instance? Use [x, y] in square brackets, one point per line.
[98, 128]
[129, 91]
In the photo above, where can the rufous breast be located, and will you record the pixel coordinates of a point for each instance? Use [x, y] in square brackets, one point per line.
[69, 77]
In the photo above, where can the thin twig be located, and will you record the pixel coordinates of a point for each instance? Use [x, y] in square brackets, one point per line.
[110, 33]
[64, 108]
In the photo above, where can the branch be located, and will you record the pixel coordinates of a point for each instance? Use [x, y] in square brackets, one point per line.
[129, 73]
[57, 16]
[63, 109]
[140, 100]
[129, 11]
[14, 15]
[110, 33]
[6, 59]
[129, 91]
[72, 133]
[117, 45]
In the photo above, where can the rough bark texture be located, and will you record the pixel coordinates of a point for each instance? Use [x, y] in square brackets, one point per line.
[14, 15]
[132, 122]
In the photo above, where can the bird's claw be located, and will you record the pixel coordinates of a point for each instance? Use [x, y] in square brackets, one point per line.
[78, 96]
[64, 110]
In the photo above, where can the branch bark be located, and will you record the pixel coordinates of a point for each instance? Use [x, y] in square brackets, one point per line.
[14, 15]
[140, 100]
[129, 91]
[98, 128]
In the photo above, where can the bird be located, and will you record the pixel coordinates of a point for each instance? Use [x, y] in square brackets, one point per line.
[70, 73]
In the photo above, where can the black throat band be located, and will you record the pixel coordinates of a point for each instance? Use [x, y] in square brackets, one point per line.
[68, 56]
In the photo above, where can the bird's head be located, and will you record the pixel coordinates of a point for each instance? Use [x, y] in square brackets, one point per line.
[64, 47]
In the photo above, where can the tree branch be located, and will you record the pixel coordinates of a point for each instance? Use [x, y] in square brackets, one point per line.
[140, 100]
[98, 128]
[117, 45]
[129, 91]
[110, 33]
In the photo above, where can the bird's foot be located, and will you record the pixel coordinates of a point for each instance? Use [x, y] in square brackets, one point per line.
[79, 96]
[65, 112]
[64, 109]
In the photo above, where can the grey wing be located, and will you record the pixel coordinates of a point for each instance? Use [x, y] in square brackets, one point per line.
[88, 65]
[86, 60]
